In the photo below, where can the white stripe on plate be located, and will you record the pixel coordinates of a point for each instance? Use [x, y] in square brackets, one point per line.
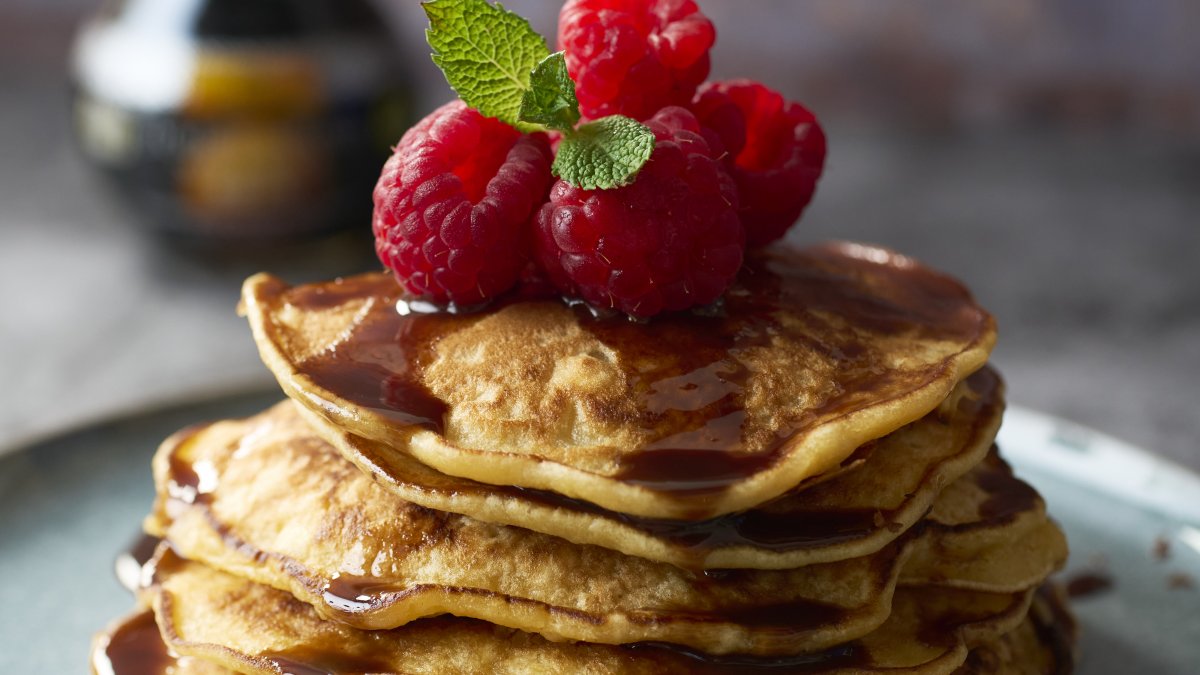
[1086, 457]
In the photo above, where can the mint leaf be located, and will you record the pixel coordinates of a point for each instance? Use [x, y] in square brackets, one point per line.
[551, 101]
[486, 52]
[604, 154]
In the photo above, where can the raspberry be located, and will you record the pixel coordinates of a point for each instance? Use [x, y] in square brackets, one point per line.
[666, 242]
[777, 151]
[453, 203]
[633, 57]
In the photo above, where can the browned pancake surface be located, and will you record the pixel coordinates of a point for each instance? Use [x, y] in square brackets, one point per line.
[814, 352]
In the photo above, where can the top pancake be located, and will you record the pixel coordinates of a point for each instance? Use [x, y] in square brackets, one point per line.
[813, 353]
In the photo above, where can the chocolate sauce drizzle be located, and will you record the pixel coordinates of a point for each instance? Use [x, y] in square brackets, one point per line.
[1007, 497]
[135, 648]
[1089, 583]
[324, 662]
[129, 563]
[1056, 627]
[848, 656]
[690, 369]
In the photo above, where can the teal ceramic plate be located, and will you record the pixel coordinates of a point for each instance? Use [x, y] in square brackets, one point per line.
[69, 505]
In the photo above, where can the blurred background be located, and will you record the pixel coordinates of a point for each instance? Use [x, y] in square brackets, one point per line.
[154, 153]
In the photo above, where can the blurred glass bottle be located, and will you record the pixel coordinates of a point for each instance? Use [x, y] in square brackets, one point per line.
[240, 119]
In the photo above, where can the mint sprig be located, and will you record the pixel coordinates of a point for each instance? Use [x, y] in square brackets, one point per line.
[487, 53]
[604, 153]
[500, 66]
[550, 100]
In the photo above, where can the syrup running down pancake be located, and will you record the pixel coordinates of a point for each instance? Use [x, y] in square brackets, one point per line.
[133, 646]
[813, 353]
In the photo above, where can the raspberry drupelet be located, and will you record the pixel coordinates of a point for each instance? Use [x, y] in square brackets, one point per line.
[776, 152]
[669, 241]
[453, 204]
[633, 57]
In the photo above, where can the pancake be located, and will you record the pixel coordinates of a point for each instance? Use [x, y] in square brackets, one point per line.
[812, 353]
[1044, 644]
[208, 614]
[134, 647]
[276, 505]
[863, 508]
[970, 514]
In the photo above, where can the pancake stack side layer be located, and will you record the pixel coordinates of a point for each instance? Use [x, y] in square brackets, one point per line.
[803, 479]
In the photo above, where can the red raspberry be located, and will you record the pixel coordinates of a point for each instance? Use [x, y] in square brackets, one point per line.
[633, 57]
[453, 203]
[777, 150]
[669, 241]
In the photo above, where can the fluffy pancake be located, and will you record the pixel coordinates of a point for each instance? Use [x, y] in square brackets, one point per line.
[1044, 644]
[813, 353]
[970, 514]
[255, 629]
[855, 514]
[275, 504]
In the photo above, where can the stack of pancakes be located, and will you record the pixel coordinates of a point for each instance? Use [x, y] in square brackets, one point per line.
[802, 479]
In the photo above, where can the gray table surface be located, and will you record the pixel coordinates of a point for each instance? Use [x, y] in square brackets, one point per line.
[1085, 248]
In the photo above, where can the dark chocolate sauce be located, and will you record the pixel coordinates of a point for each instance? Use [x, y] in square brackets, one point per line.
[1056, 627]
[1085, 584]
[135, 648]
[324, 662]
[353, 594]
[1007, 496]
[359, 594]
[1181, 581]
[780, 618]
[688, 370]
[380, 368]
[129, 563]
[762, 528]
[1162, 548]
[771, 531]
[189, 482]
[674, 658]
[848, 656]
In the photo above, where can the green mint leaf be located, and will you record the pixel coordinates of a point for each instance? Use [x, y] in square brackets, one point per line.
[551, 101]
[604, 154]
[486, 52]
